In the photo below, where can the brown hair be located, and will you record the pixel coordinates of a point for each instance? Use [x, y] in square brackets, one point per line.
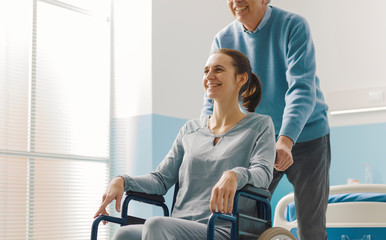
[251, 91]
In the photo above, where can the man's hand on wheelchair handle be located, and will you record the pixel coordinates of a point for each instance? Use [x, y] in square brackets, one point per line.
[115, 192]
[223, 193]
[283, 153]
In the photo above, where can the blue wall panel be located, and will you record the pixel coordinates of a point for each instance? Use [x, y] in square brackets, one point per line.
[354, 146]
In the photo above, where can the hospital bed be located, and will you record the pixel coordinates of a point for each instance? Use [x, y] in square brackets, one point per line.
[355, 211]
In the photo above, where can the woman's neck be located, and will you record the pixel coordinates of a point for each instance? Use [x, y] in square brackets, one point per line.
[224, 117]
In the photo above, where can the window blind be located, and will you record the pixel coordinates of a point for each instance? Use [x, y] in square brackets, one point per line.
[54, 118]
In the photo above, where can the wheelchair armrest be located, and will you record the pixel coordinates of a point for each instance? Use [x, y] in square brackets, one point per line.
[152, 197]
[256, 191]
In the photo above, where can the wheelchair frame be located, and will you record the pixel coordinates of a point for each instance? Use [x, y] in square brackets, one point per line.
[261, 196]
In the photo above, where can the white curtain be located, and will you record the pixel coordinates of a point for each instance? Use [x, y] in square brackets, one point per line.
[54, 117]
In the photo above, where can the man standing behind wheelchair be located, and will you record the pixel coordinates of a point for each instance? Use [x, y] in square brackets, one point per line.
[279, 46]
[211, 158]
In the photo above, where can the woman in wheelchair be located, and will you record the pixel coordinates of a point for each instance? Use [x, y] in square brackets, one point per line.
[211, 157]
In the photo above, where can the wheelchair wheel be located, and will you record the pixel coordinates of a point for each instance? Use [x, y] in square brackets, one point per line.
[277, 233]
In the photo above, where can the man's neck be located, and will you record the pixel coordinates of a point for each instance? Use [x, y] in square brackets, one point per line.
[254, 23]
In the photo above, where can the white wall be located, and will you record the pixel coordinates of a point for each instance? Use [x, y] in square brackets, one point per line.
[182, 35]
[132, 60]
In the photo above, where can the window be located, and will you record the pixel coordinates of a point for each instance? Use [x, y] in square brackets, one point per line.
[54, 117]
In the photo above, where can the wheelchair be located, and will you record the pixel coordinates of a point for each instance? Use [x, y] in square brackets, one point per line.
[262, 223]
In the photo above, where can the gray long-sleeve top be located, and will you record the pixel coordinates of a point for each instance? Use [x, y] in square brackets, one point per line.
[248, 149]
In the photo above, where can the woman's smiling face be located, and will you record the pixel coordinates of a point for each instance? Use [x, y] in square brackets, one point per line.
[220, 77]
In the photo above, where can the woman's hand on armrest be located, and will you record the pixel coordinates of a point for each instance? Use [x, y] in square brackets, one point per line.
[115, 192]
[223, 193]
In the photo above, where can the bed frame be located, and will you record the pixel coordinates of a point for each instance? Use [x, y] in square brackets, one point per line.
[354, 220]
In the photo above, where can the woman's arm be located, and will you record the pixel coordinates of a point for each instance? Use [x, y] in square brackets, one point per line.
[165, 176]
[115, 192]
[223, 193]
[157, 182]
[260, 171]
[259, 174]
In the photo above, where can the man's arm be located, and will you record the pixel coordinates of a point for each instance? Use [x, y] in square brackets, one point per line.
[300, 97]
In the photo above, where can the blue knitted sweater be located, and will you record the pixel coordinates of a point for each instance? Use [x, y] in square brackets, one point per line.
[282, 55]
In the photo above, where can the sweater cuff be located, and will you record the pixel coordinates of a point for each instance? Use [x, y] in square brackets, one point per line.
[290, 130]
[242, 177]
[126, 179]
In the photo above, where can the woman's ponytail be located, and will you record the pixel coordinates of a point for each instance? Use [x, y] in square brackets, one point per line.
[251, 93]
